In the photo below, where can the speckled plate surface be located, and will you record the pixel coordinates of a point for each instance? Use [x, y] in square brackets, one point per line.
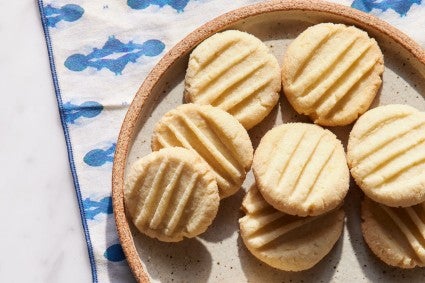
[219, 254]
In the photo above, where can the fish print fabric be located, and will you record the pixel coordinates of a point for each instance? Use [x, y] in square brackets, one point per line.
[401, 7]
[127, 52]
[406, 15]
[69, 13]
[177, 5]
[100, 51]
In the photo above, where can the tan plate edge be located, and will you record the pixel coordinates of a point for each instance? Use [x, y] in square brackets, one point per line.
[127, 129]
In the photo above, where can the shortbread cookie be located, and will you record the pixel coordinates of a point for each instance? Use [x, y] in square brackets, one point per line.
[301, 169]
[395, 235]
[215, 135]
[386, 155]
[171, 194]
[236, 72]
[332, 73]
[287, 242]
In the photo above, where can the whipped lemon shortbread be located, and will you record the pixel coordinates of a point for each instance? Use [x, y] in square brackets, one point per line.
[386, 155]
[287, 242]
[301, 169]
[215, 135]
[236, 72]
[171, 194]
[395, 235]
[332, 72]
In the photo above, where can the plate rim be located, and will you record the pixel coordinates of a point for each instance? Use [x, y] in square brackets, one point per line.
[133, 114]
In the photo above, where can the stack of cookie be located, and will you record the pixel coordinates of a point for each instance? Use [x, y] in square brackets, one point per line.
[293, 211]
[201, 154]
[301, 172]
[386, 154]
[202, 151]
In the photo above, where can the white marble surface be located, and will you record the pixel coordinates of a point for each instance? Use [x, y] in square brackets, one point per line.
[41, 237]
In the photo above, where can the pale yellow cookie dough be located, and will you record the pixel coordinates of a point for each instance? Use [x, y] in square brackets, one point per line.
[386, 155]
[301, 169]
[236, 72]
[215, 135]
[284, 241]
[332, 72]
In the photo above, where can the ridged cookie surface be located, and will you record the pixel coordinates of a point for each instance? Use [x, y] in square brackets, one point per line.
[215, 135]
[395, 235]
[301, 169]
[236, 72]
[331, 73]
[171, 194]
[284, 241]
[386, 154]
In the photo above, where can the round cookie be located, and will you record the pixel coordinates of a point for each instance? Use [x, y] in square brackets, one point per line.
[395, 235]
[287, 242]
[301, 169]
[236, 72]
[215, 135]
[332, 73]
[386, 155]
[171, 194]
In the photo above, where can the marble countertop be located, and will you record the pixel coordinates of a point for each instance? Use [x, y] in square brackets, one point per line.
[41, 239]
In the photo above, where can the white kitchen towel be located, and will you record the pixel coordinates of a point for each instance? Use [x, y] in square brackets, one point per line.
[100, 51]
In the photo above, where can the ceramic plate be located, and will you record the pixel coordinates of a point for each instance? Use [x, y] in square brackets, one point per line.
[219, 254]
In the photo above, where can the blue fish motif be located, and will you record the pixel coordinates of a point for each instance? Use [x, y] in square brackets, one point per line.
[127, 52]
[98, 157]
[93, 208]
[399, 6]
[88, 109]
[114, 253]
[68, 13]
[177, 5]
